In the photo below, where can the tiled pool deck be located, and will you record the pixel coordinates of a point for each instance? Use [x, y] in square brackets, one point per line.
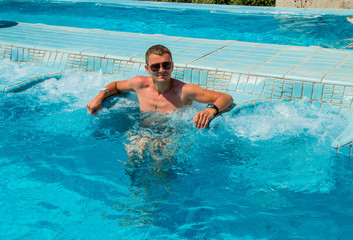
[251, 72]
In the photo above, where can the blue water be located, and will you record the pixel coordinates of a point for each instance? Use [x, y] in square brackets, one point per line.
[290, 29]
[269, 173]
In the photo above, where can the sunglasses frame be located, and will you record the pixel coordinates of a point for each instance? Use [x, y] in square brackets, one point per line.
[165, 66]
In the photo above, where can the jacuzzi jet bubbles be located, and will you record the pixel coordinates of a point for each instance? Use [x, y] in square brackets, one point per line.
[285, 120]
[12, 70]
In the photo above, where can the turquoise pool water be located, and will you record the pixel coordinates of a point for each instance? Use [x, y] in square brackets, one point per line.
[300, 29]
[269, 173]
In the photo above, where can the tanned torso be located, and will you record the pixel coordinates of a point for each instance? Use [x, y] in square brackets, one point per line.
[151, 100]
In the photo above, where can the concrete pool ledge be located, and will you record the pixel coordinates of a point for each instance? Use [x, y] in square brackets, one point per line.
[248, 71]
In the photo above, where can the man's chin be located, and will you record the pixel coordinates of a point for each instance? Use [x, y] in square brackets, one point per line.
[162, 78]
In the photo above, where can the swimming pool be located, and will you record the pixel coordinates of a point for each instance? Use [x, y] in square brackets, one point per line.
[265, 174]
[263, 25]
[268, 173]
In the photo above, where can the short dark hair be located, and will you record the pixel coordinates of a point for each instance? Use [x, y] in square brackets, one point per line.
[158, 50]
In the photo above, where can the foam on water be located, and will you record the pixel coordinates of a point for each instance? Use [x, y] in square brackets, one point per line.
[10, 70]
[285, 119]
[120, 174]
[290, 144]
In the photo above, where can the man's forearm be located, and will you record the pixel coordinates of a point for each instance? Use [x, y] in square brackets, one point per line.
[223, 101]
[111, 90]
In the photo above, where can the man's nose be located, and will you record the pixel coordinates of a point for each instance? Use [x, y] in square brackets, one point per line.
[160, 67]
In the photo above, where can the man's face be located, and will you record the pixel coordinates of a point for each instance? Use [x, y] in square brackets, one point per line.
[160, 67]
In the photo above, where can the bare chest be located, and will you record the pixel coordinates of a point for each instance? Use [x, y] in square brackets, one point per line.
[152, 101]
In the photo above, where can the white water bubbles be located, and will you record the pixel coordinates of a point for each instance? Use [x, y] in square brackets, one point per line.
[74, 88]
[10, 70]
[286, 146]
[285, 120]
[53, 106]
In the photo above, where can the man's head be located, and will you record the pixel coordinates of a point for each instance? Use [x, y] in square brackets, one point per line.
[158, 50]
[159, 63]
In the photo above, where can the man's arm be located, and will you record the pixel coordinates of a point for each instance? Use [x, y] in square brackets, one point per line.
[113, 88]
[221, 100]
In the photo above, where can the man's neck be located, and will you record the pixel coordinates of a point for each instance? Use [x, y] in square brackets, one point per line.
[162, 87]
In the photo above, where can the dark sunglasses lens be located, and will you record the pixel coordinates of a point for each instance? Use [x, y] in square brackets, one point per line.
[155, 67]
[166, 65]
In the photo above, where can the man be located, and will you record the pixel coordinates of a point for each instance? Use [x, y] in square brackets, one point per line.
[161, 93]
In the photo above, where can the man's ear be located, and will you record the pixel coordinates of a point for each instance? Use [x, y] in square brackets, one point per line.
[147, 69]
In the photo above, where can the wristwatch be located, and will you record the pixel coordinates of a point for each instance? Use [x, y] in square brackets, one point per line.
[211, 105]
[104, 89]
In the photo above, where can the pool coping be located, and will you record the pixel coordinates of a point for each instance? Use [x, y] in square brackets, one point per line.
[313, 64]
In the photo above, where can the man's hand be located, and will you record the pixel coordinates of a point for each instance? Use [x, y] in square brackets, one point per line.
[203, 118]
[94, 106]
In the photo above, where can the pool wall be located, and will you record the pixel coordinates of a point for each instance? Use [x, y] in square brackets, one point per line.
[252, 73]
[315, 3]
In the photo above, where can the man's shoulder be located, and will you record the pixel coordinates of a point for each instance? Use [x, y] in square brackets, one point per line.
[139, 81]
[139, 78]
[190, 87]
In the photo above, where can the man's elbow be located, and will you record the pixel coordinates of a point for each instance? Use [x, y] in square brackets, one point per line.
[228, 98]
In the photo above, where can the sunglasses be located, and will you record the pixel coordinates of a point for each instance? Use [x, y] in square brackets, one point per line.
[165, 65]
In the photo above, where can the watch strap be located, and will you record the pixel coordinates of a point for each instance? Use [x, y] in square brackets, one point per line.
[104, 89]
[211, 105]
